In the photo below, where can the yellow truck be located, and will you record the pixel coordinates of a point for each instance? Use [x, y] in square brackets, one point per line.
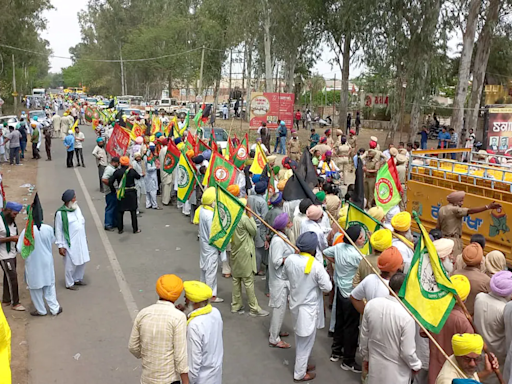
[431, 179]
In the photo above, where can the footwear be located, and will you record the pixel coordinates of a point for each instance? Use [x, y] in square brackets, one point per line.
[334, 358]
[227, 276]
[80, 282]
[330, 334]
[18, 307]
[110, 229]
[261, 313]
[120, 231]
[309, 376]
[58, 312]
[239, 311]
[72, 288]
[354, 367]
[83, 165]
[310, 367]
[217, 300]
[282, 344]
[36, 313]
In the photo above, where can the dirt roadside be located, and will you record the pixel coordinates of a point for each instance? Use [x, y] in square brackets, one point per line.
[14, 177]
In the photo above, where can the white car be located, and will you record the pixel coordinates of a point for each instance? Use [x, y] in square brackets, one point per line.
[221, 136]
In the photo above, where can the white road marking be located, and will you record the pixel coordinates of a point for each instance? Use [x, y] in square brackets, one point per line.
[116, 267]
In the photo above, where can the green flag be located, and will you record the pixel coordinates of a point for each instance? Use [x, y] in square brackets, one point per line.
[220, 171]
[228, 213]
[28, 238]
[197, 118]
[388, 187]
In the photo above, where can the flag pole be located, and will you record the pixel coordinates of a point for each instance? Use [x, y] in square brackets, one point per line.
[393, 293]
[273, 230]
[470, 319]
[193, 171]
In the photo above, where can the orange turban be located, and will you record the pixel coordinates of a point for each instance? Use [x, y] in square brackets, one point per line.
[234, 189]
[390, 260]
[281, 185]
[169, 287]
[124, 160]
[473, 254]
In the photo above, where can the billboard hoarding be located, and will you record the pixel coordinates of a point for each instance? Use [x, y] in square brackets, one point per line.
[271, 107]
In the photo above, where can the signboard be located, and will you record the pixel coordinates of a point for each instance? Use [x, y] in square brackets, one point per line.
[271, 107]
[118, 142]
[376, 101]
[499, 130]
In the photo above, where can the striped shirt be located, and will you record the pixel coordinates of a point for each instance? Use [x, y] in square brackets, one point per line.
[159, 339]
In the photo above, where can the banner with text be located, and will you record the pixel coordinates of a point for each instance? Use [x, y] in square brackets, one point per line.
[118, 143]
[271, 107]
[499, 133]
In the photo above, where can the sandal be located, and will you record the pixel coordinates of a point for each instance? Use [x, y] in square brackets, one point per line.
[227, 276]
[282, 344]
[309, 376]
[284, 334]
[137, 231]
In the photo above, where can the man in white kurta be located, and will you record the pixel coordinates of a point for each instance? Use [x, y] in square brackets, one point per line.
[279, 287]
[71, 240]
[205, 347]
[166, 178]
[313, 223]
[56, 119]
[209, 255]
[151, 179]
[308, 279]
[298, 217]
[40, 272]
[387, 341]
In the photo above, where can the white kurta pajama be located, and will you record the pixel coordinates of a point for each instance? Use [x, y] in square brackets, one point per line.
[77, 253]
[39, 270]
[205, 348]
[166, 178]
[151, 184]
[279, 287]
[209, 255]
[305, 295]
[387, 342]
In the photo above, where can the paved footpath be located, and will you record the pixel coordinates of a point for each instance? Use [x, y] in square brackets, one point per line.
[88, 342]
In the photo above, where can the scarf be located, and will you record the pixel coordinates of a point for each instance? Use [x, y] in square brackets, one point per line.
[309, 264]
[404, 240]
[151, 157]
[198, 312]
[198, 211]
[122, 186]
[7, 232]
[65, 223]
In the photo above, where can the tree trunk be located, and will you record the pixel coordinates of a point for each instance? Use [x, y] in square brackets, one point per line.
[290, 81]
[480, 64]
[249, 81]
[468, 42]
[268, 53]
[345, 73]
[419, 87]
[169, 80]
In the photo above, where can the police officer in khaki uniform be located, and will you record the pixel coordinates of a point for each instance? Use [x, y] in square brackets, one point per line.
[339, 134]
[449, 219]
[345, 163]
[352, 139]
[401, 170]
[371, 167]
[330, 141]
[375, 140]
[294, 147]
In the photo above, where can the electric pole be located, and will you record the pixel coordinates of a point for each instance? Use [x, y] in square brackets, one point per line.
[122, 72]
[230, 73]
[201, 74]
[14, 93]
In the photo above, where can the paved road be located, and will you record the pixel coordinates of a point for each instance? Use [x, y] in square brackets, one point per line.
[88, 342]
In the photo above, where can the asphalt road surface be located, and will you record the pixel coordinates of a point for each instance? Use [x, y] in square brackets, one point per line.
[87, 343]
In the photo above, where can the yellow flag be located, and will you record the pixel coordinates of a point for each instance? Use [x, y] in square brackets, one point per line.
[75, 125]
[368, 223]
[260, 160]
[5, 349]
[427, 290]
[186, 179]
[227, 215]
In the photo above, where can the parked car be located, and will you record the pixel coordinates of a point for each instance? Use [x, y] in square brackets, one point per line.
[221, 136]
[41, 118]
[10, 120]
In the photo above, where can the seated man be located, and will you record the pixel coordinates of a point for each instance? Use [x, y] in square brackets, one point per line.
[326, 167]
[467, 355]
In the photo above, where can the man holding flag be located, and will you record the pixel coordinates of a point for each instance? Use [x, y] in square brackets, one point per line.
[35, 245]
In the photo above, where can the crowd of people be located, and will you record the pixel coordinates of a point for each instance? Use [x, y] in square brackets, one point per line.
[307, 254]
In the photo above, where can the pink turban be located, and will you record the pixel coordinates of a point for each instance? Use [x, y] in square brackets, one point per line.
[314, 212]
[139, 140]
[456, 197]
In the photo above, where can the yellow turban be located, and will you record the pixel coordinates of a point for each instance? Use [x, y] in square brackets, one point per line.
[342, 214]
[180, 146]
[234, 189]
[209, 196]
[243, 200]
[381, 239]
[466, 343]
[462, 286]
[281, 185]
[401, 221]
[169, 287]
[196, 291]
[377, 213]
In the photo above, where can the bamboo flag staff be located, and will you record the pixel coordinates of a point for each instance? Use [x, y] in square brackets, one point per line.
[470, 319]
[455, 366]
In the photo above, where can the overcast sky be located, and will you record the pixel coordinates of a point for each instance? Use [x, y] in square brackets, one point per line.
[63, 32]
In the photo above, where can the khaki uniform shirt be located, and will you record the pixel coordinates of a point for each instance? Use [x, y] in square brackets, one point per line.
[402, 172]
[330, 142]
[372, 164]
[352, 141]
[294, 146]
[364, 270]
[320, 147]
[450, 220]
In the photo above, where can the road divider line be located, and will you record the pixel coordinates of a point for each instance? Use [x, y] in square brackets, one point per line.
[114, 263]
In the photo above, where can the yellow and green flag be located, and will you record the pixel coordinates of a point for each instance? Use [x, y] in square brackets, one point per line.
[186, 179]
[260, 160]
[355, 216]
[388, 188]
[227, 215]
[427, 290]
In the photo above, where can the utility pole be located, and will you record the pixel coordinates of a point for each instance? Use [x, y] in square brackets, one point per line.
[201, 74]
[230, 73]
[122, 71]
[14, 93]
[334, 98]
